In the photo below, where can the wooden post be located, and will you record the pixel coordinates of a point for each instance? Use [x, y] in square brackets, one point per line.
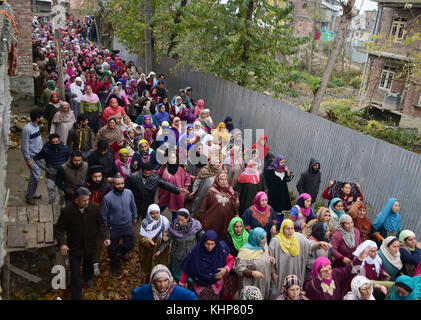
[148, 38]
[59, 60]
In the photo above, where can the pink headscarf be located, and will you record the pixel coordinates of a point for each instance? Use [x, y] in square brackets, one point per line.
[199, 106]
[256, 202]
[305, 211]
[319, 263]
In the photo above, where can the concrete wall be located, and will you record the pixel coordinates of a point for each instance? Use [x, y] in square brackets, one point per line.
[22, 85]
[5, 100]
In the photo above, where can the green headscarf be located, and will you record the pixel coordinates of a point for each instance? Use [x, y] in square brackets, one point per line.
[240, 240]
[405, 234]
[51, 84]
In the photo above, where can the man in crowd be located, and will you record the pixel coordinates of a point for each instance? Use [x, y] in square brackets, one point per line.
[103, 156]
[119, 210]
[81, 137]
[71, 174]
[55, 153]
[310, 180]
[76, 232]
[32, 144]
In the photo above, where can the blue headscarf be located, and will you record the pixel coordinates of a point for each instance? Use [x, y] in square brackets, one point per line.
[230, 126]
[255, 237]
[202, 265]
[413, 283]
[161, 116]
[332, 203]
[387, 218]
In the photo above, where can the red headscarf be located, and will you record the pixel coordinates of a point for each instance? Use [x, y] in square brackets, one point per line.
[249, 175]
[256, 202]
[228, 191]
[259, 147]
[54, 94]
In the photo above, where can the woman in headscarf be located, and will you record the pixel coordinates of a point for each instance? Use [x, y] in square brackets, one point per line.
[346, 191]
[387, 222]
[150, 80]
[221, 135]
[391, 257]
[322, 215]
[94, 83]
[46, 94]
[91, 106]
[162, 286]
[228, 123]
[344, 241]
[253, 265]
[277, 175]
[176, 128]
[198, 130]
[128, 124]
[206, 120]
[63, 121]
[113, 110]
[176, 175]
[123, 162]
[52, 108]
[336, 208]
[207, 143]
[39, 80]
[291, 251]
[199, 107]
[143, 155]
[116, 94]
[358, 212]
[104, 90]
[261, 145]
[219, 205]
[249, 183]
[410, 252]
[188, 116]
[321, 231]
[141, 84]
[131, 91]
[302, 212]
[161, 115]
[153, 231]
[146, 110]
[361, 289]
[184, 234]
[76, 94]
[406, 288]
[195, 163]
[234, 163]
[189, 96]
[207, 264]
[111, 133]
[326, 283]
[262, 215]
[292, 289]
[150, 130]
[372, 266]
[130, 141]
[154, 95]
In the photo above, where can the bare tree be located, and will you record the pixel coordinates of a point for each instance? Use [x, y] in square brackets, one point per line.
[348, 14]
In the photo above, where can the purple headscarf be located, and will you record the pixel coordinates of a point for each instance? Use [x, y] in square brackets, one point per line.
[275, 164]
[147, 125]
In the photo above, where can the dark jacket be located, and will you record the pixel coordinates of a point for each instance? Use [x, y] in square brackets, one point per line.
[278, 194]
[310, 181]
[79, 231]
[69, 177]
[81, 139]
[53, 157]
[144, 190]
[106, 161]
[138, 158]
[98, 191]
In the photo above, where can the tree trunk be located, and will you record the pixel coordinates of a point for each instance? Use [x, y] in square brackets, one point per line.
[148, 49]
[343, 25]
[343, 59]
[245, 54]
[177, 19]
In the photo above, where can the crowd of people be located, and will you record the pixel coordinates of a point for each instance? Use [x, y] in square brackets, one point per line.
[232, 229]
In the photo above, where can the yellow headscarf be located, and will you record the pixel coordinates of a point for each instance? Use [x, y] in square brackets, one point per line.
[288, 244]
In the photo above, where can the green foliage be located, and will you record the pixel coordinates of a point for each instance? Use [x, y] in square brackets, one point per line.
[245, 41]
[312, 81]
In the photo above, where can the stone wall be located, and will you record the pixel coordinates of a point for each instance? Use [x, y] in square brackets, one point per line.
[22, 85]
[5, 100]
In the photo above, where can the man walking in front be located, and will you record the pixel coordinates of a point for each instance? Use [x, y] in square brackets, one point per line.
[76, 232]
[119, 210]
[30, 146]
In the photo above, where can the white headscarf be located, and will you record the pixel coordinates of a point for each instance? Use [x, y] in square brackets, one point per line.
[151, 228]
[349, 236]
[377, 261]
[356, 284]
[75, 89]
[394, 260]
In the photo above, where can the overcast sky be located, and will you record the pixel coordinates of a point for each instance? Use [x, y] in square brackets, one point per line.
[367, 4]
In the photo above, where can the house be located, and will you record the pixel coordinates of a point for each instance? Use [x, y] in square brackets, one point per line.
[391, 80]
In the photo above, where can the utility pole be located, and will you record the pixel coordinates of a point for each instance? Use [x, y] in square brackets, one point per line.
[148, 38]
[56, 27]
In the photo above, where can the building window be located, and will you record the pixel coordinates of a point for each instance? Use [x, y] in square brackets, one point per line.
[398, 28]
[386, 78]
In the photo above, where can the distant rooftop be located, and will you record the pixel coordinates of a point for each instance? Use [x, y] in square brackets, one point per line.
[398, 3]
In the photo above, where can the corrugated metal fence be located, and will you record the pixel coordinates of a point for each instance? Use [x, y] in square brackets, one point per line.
[383, 170]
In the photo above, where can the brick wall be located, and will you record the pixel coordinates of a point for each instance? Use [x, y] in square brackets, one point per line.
[22, 87]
